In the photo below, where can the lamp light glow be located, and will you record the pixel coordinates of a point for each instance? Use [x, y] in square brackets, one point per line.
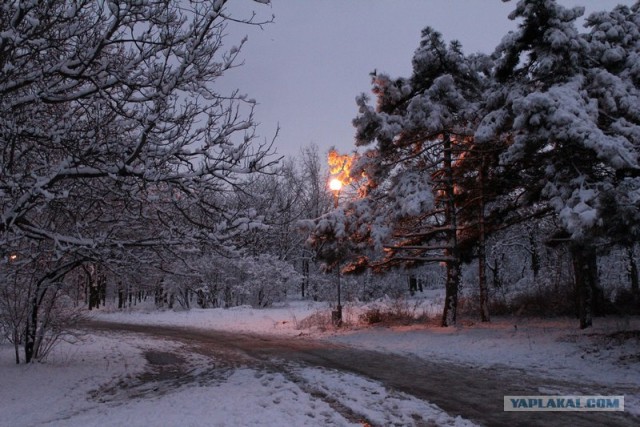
[335, 184]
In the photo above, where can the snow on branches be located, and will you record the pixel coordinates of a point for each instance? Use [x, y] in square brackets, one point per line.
[116, 147]
[113, 132]
[572, 109]
[549, 124]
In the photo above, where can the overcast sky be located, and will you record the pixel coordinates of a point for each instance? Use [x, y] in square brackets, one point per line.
[306, 68]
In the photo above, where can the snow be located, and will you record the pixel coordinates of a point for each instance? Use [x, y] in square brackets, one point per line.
[378, 404]
[411, 194]
[41, 394]
[77, 385]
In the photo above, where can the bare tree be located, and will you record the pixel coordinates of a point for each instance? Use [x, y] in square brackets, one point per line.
[114, 139]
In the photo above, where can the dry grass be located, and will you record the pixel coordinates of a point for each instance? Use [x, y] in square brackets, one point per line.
[397, 311]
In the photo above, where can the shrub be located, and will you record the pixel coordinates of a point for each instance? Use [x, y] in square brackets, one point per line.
[397, 310]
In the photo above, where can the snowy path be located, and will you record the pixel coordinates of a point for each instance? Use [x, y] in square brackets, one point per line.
[469, 392]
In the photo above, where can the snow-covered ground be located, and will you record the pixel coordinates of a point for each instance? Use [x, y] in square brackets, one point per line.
[68, 389]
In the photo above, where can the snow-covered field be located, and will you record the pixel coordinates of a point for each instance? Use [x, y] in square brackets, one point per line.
[69, 389]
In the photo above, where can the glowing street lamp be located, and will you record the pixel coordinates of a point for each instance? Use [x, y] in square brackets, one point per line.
[335, 185]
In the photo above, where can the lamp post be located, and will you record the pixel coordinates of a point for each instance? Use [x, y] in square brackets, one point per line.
[336, 185]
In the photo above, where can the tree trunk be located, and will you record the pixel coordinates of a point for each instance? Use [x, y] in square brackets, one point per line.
[120, 296]
[94, 301]
[633, 272]
[497, 281]
[102, 289]
[482, 274]
[31, 328]
[305, 276]
[45, 308]
[187, 297]
[535, 256]
[449, 313]
[482, 282]
[16, 345]
[586, 281]
[413, 284]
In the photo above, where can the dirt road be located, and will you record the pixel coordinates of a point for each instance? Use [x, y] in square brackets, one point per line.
[471, 392]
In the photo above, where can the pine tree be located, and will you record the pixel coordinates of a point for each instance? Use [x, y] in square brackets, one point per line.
[414, 139]
[568, 102]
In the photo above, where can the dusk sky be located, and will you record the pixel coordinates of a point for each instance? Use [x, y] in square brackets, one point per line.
[306, 69]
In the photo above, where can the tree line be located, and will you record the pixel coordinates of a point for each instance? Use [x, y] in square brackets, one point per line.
[543, 132]
[129, 175]
[119, 151]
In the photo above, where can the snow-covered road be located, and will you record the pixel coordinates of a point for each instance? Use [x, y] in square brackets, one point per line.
[174, 368]
[360, 386]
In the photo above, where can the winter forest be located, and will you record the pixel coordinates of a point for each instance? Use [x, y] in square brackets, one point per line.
[509, 179]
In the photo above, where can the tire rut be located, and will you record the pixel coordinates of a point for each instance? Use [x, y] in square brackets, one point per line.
[471, 392]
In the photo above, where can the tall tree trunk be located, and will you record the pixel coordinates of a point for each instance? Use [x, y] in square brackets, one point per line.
[31, 329]
[413, 284]
[305, 276]
[16, 344]
[535, 256]
[187, 297]
[497, 281]
[633, 272]
[121, 297]
[586, 280]
[102, 288]
[158, 296]
[92, 281]
[449, 313]
[482, 273]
